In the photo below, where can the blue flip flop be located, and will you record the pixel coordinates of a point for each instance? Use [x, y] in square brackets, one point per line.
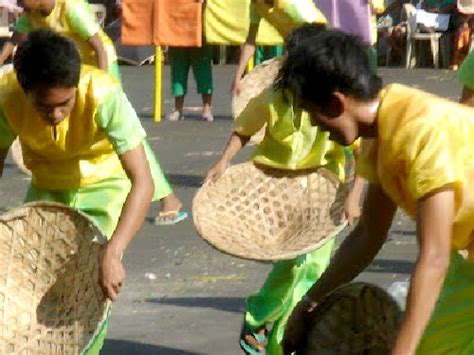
[246, 347]
[181, 216]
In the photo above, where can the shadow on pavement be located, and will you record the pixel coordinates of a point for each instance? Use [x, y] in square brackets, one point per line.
[228, 304]
[185, 180]
[123, 347]
[391, 266]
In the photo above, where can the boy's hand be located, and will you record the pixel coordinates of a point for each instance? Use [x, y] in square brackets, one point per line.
[295, 333]
[112, 272]
[351, 208]
[216, 172]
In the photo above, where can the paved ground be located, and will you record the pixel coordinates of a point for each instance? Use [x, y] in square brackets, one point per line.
[195, 303]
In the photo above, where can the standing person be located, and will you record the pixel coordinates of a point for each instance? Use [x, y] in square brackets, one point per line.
[284, 15]
[73, 19]
[200, 60]
[290, 143]
[421, 159]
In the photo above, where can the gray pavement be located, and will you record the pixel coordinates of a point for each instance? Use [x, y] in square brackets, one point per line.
[195, 303]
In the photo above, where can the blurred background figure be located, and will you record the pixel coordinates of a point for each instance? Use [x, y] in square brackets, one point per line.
[200, 60]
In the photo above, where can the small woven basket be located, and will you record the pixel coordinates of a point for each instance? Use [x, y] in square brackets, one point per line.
[357, 318]
[17, 155]
[50, 298]
[252, 84]
[261, 213]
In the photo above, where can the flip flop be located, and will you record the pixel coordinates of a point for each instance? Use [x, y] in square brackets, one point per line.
[246, 347]
[178, 217]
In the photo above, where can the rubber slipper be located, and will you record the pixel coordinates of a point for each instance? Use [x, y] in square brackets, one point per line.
[179, 216]
[259, 339]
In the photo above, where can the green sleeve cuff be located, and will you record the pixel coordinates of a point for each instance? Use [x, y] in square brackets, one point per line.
[23, 24]
[7, 136]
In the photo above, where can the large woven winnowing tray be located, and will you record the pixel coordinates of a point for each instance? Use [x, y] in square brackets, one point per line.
[357, 318]
[50, 298]
[252, 84]
[269, 214]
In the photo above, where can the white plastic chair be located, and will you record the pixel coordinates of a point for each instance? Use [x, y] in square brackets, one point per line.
[100, 13]
[413, 36]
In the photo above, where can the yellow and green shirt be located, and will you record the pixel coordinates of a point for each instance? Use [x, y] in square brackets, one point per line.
[290, 141]
[424, 143]
[73, 19]
[85, 148]
[286, 15]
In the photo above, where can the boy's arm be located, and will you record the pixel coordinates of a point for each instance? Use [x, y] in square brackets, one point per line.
[9, 46]
[355, 253]
[100, 51]
[235, 143]
[435, 215]
[247, 52]
[131, 218]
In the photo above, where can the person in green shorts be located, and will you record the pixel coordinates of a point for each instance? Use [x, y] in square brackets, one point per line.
[200, 60]
[290, 143]
[83, 144]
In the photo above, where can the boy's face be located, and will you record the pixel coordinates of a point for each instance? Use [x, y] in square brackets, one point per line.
[336, 119]
[53, 104]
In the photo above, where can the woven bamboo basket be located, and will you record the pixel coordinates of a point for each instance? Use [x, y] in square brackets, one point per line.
[17, 155]
[269, 214]
[358, 318]
[50, 298]
[252, 84]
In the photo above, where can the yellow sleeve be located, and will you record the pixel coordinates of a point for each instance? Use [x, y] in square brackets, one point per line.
[433, 159]
[254, 116]
[378, 6]
[366, 163]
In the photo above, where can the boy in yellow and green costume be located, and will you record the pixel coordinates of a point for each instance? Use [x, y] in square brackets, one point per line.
[419, 155]
[73, 19]
[284, 15]
[290, 143]
[83, 143]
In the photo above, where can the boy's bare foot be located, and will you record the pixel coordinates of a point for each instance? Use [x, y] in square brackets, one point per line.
[170, 211]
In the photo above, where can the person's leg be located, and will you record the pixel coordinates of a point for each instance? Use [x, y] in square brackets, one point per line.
[283, 289]
[179, 63]
[451, 327]
[170, 209]
[201, 63]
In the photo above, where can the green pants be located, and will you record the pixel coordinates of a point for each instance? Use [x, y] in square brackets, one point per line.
[263, 53]
[284, 287]
[102, 202]
[200, 60]
[451, 327]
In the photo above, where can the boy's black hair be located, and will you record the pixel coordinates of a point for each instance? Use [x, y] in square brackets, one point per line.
[300, 33]
[47, 59]
[326, 62]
